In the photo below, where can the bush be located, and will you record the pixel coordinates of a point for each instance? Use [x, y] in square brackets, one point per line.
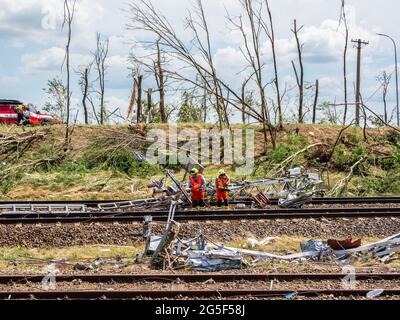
[283, 151]
[393, 137]
[6, 184]
[123, 161]
[294, 139]
[371, 185]
[357, 154]
[75, 168]
[391, 183]
[340, 156]
[391, 162]
[355, 135]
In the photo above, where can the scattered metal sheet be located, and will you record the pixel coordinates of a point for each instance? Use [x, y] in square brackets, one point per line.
[254, 242]
[314, 246]
[214, 260]
[295, 200]
[317, 249]
[374, 293]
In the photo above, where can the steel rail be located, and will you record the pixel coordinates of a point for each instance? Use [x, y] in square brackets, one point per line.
[341, 200]
[173, 294]
[201, 277]
[210, 293]
[203, 215]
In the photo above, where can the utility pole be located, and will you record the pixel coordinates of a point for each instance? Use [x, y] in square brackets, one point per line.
[360, 43]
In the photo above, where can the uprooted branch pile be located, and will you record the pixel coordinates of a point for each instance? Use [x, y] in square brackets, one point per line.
[13, 146]
[114, 141]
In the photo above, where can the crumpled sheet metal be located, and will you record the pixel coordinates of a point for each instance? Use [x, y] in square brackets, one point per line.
[214, 260]
[314, 246]
[379, 248]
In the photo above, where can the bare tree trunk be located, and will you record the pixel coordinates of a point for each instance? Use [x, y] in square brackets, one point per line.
[243, 105]
[204, 106]
[161, 83]
[139, 99]
[132, 101]
[271, 36]
[223, 117]
[85, 94]
[385, 104]
[384, 79]
[149, 105]
[100, 57]
[147, 18]
[315, 101]
[345, 76]
[299, 77]
[346, 44]
[68, 18]
[254, 57]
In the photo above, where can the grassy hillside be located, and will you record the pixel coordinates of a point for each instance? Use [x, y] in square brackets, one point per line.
[100, 165]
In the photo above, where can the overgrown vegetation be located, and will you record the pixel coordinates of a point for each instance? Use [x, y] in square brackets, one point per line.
[122, 161]
[285, 148]
[102, 164]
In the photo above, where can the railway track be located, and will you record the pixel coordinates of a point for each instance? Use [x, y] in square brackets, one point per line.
[188, 278]
[339, 200]
[196, 277]
[203, 215]
[173, 294]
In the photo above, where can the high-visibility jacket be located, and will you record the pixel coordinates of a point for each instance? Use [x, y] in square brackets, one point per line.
[221, 183]
[197, 185]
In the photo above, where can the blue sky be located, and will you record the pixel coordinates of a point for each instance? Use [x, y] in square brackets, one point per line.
[32, 44]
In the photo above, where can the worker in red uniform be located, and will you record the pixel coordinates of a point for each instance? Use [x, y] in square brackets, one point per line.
[19, 110]
[221, 185]
[197, 183]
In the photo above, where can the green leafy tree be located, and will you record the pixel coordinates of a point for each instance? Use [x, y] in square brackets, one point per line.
[56, 98]
[189, 112]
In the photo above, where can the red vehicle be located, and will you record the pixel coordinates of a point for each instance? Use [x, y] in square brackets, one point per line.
[9, 110]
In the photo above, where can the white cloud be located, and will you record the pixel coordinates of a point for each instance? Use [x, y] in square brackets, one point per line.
[50, 60]
[8, 80]
[37, 53]
[44, 61]
[229, 58]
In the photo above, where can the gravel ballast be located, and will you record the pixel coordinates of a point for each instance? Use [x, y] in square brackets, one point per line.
[62, 235]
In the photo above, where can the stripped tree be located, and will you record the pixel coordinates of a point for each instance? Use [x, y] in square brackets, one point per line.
[251, 51]
[160, 79]
[343, 18]
[269, 30]
[68, 19]
[299, 73]
[145, 17]
[84, 83]
[384, 80]
[100, 57]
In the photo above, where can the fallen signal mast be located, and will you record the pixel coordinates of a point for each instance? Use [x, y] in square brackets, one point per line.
[293, 190]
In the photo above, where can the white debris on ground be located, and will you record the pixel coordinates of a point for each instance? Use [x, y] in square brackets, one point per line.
[201, 254]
